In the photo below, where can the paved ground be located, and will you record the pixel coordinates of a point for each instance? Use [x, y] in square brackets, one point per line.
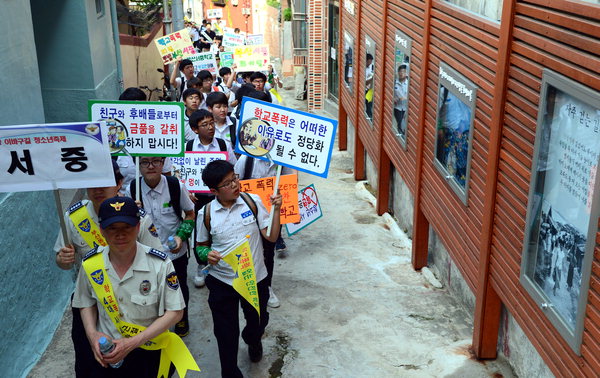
[351, 305]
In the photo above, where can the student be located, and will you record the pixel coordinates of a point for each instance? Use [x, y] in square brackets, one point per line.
[81, 222]
[165, 198]
[259, 79]
[142, 283]
[225, 224]
[401, 98]
[191, 100]
[206, 82]
[224, 125]
[207, 37]
[227, 85]
[186, 67]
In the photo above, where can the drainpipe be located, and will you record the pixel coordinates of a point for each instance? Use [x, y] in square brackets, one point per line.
[115, 27]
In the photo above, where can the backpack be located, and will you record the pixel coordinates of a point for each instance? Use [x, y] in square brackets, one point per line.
[249, 202]
[190, 144]
[174, 192]
[248, 166]
[232, 131]
[181, 88]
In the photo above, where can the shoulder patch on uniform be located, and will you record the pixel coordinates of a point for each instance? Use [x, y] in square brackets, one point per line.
[153, 231]
[91, 253]
[76, 206]
[172, 281]
[157, 253]
[142, 212]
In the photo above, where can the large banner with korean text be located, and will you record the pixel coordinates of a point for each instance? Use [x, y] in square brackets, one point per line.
[54, 156]
[204, 61]
[298, 140]
[188, 169]
[288, 188]
[175, 45]
[251, 58]
[141, 128]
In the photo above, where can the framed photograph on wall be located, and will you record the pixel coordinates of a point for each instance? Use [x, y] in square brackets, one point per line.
[454, 129]
[369, 78]
[401, 85]
[562, 214]
[348, 60]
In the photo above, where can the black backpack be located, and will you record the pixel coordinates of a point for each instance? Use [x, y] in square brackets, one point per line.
[174, 193]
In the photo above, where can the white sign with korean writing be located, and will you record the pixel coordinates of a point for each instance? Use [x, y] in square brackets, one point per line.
[232, 39]
[188, 169]
[301, 140]
[251, 58]
[141, 128]
[54, 156]
[310, 210]
[204, 61]
[255, 39]
[214, 13]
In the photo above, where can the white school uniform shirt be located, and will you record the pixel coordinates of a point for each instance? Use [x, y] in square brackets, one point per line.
[188, 132]
[127, 168]
[223, 131]
[260, 168]
[214, 146]
[228, 227]
[165, 219]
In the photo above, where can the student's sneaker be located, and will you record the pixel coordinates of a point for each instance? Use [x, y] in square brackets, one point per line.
[280, 247]
[182, 328]
[199, 278]
[273, 300]
[255, 351]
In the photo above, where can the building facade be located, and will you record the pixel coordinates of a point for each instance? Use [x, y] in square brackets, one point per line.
[478, 124]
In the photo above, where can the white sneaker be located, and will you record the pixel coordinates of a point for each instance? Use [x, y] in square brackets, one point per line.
[273, 300]
[199, 278]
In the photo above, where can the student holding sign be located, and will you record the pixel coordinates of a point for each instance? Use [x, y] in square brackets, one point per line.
[186, 67]
[221, 225]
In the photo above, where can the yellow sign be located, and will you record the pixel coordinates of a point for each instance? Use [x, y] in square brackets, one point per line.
[240, 259]
[175, 45]
[288, 188]
[87, 228]
[251, 57]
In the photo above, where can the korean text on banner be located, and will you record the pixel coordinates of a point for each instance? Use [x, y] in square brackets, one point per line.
[54, 156]
[310, 210]
[175, 45]
[303, 141]
[232, 39]
[226, 58]
[240, 259]
[141, 128]
[204, 61]
[251, 58]
[214, 13]
[288, 188]
[255, 39]
[188, 169]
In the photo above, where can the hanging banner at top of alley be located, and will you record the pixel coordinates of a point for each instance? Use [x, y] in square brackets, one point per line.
[54, 156]
[251, 58]
[141, 128]
[298, 140]
[175, 45]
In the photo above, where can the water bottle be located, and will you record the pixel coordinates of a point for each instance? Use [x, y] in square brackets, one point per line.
[106, 346]
[171, 243]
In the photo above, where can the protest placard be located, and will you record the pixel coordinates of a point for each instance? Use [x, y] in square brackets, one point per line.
[188, 168]
[204, 61]
[232, 39]
[288, 188]
[175, 45]
[141, 128]
[214, 13]
[300, 140]
[244, 282]
[310, 210]
[54, 156]
[251, 58]
[255, 39]
[226, 58]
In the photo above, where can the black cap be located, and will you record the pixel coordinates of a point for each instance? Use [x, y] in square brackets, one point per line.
[118, 209]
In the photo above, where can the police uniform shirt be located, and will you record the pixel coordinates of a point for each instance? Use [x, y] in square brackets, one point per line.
[223, 131]
[260, 168]
[228, 227]
[146, 291]
[147, 235]
[213, 146]
[156, 203]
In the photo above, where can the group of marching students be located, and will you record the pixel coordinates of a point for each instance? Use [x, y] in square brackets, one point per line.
[132, 256]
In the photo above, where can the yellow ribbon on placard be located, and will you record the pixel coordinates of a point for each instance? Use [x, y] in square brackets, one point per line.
[172, 347]
[87, 228]
[240, 259]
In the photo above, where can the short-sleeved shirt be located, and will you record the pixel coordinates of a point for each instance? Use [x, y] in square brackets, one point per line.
[228, 226]
[137, 304]
[260, 168]
[156, 203]
[147, 235]
[224, 131]
[401, 91]
[189, 133]
[214, 146]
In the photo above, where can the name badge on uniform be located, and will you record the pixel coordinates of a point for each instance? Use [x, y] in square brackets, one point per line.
[246, 214]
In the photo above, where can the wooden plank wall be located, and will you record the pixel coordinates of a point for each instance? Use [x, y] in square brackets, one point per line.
[565, 37]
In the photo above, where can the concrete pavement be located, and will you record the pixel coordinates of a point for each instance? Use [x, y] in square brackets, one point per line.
[351, 304]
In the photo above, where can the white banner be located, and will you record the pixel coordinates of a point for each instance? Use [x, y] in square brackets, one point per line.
[255, 39]
[214, 13]
[141, 128]
[188, 169]
[310, 209]
[54, 156]
[204, 61]
[232, 39]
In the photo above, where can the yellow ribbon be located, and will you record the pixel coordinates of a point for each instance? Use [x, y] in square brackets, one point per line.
[277, 95]
[173, 348]
[87, 228]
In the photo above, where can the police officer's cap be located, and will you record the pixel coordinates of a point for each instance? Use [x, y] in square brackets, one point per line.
[118, 209]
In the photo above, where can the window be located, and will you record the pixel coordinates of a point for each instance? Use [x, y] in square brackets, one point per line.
[369, 78]
[562, 215]
[455, 114]
[299, 32]
[491, 9]
[99, 8]
[401, 85]
[347, 60]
